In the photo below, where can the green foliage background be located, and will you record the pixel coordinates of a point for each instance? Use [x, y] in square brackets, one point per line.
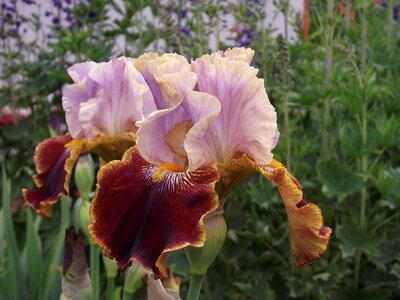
[339, 127]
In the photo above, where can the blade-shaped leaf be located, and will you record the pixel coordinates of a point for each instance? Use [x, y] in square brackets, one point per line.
[33, 252]
[10, 238]
[50, 282]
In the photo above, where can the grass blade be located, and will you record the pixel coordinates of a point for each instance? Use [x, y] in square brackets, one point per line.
[50, 283]
[33, 253]
[10, 238]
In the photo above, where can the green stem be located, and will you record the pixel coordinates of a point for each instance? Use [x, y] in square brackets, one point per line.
[180, 46]
[95, 271]
[110, 287]
[328, 82]
[268, 244]
[196, 281]
[199, 29]
[364, 136]
[376, 160]
[179, 34]
[277, 254]
[364, 35]
[140, 26]
[364, 165]
[287, 129]
[264, 52]
[286, 20]
[387, 220]
[347, 14]
[390, 34]
[217, 27]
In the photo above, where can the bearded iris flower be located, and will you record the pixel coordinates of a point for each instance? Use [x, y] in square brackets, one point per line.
[101, 108]
[188, 157]
[188, 134]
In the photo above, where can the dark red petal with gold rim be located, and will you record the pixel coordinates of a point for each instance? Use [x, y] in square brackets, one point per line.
[142, 211]
[54, 162]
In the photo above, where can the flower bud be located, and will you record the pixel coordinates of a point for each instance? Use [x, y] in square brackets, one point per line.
[200, 259]
[84, 175]
[76, 211]
[110, 266]
[84, 219]
[133, 278]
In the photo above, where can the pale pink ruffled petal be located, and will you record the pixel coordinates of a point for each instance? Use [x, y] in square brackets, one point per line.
[236, 54]
[240, 54]
[118, 104]
[193, 108]
[247, 121]
[79, 72]
[106, 98]
[152, 66]
[75, 94]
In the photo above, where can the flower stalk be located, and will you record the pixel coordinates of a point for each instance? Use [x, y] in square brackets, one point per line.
[199, 31]
[196, 282]
[286, 85]
[111, 269]
[200, 259]
[328, 82]
[364, 137]
[286, 18]
[133, 280]
[347, 14]
[95, 270]
[390, 27]
[264, 52]
[217, 26]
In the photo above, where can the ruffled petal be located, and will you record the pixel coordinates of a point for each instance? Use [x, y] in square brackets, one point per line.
[240, 54]
[74, 94]
[54, 161]
[142, 211]
[236, 54]
[162, 136]
[118, 104]
[78, 72]
[106, 98]
[167, 289]
[152, 67]
[309, 239]
[247, 121]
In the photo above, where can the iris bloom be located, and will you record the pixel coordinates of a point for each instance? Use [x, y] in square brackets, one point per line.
[101, 109]
[189, 134]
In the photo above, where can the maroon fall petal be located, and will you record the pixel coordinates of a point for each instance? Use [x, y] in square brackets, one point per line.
[142, 211]
[54, 163]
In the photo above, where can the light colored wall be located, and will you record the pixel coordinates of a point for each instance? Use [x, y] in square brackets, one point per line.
[273, 19]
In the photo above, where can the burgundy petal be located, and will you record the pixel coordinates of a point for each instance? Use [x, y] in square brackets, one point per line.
[54, 162]
[141, 211]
